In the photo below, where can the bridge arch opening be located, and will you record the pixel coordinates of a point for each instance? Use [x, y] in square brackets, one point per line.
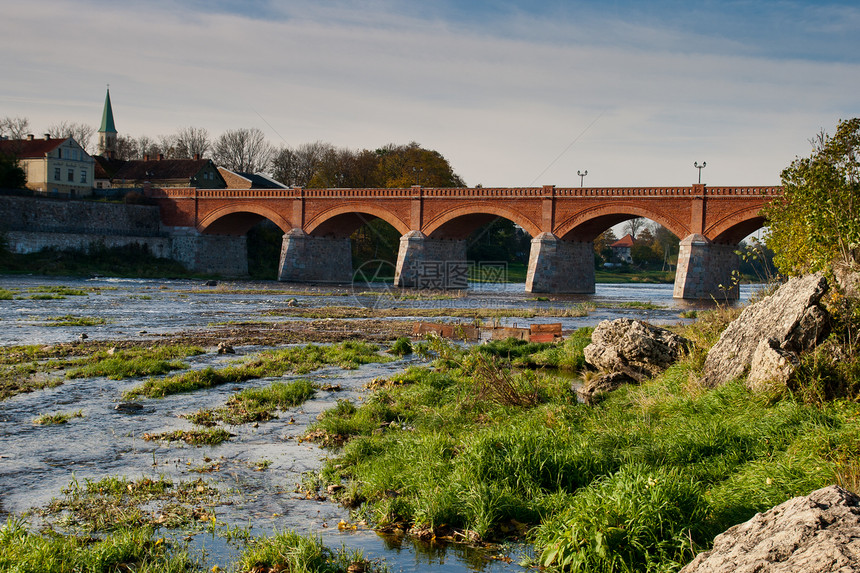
[637, 244]
[494, 243]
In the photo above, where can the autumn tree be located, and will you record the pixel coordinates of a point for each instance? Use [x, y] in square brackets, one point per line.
[815, 223]
[244, 150]
[407, 165]
[602, 249]
[14, 127]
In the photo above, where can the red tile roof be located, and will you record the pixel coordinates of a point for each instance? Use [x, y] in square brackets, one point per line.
[151, 170]
[29, 148]
[625, 241]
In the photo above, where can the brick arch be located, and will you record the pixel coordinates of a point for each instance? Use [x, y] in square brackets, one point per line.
[345, 219]
[237, 219]
[732, 228]
[472, 217]
[588, 224]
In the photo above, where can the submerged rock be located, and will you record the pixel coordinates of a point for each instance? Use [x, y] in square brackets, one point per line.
[128, 407]
[790, 317]
[635, 348]
[814, 534]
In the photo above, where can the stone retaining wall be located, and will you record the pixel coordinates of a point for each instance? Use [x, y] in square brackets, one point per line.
[31, 224]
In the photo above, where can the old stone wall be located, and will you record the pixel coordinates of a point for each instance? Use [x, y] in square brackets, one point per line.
[31, 224]
[31, 214]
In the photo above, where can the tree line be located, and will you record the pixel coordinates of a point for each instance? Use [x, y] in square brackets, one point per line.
[246, 150]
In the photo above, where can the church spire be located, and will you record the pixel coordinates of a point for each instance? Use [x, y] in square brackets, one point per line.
[107, 130]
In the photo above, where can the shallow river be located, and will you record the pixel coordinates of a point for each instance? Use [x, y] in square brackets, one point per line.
[36, 462]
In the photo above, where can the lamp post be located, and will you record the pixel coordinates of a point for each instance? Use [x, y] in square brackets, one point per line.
[700, 167]
[417, 171]
[582, 175]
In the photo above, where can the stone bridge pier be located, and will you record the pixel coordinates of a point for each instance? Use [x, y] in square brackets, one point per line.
[705, 270]
[426, 263]
[559, 266]
[305, 258]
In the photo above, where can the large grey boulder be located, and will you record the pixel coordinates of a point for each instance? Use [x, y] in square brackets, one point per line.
[634, 348]
[814, 534]
[790, 316]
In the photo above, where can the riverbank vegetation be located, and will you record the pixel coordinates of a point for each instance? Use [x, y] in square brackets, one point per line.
[29, 368]
[270, 363]
[256, 404]
[482, 445]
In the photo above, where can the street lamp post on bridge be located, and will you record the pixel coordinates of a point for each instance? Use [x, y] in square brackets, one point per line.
[700, 167]
[582, 175]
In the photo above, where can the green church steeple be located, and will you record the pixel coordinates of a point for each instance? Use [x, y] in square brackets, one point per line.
[107, 116]
[107, 130]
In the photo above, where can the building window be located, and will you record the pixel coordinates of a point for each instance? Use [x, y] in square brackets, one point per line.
[71, 175]
[83, 176]
[56, 173]
[60, 153]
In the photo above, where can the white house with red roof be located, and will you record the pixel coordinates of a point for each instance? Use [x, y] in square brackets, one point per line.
[621, 249]
[53, 166]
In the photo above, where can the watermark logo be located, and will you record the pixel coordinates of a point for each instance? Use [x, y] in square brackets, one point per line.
[373, 283]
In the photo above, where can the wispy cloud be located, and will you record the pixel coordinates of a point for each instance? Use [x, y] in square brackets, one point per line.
[500, 89]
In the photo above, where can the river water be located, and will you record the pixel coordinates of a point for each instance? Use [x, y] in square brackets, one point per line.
[36, 462]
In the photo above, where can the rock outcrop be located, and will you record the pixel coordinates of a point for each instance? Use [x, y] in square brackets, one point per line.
[814, 534]
[634, 348]
[786, 323]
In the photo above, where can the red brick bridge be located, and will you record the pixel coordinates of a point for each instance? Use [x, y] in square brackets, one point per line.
[435, 222]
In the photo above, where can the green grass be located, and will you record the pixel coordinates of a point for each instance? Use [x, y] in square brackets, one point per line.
[71, 320]
[136, 549]
[257, 404]
[273, 363]
[58, 418]
[62, 291]
[290, 551]
[195, 437]
[6, 294]
[639, 482]
[115, 503]
[30, 368]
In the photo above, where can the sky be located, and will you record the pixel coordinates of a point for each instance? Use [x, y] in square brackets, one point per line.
[513, 93]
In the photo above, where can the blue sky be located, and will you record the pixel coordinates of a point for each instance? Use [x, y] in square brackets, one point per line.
[512, 93]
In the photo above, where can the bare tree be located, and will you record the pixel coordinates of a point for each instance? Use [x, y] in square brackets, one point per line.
[167, 146]
[298, 166]
[145, 146]
[191, 142]
[244, 150]
[126, 148]
[80, 132]
[633, 226]
[14, 127]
